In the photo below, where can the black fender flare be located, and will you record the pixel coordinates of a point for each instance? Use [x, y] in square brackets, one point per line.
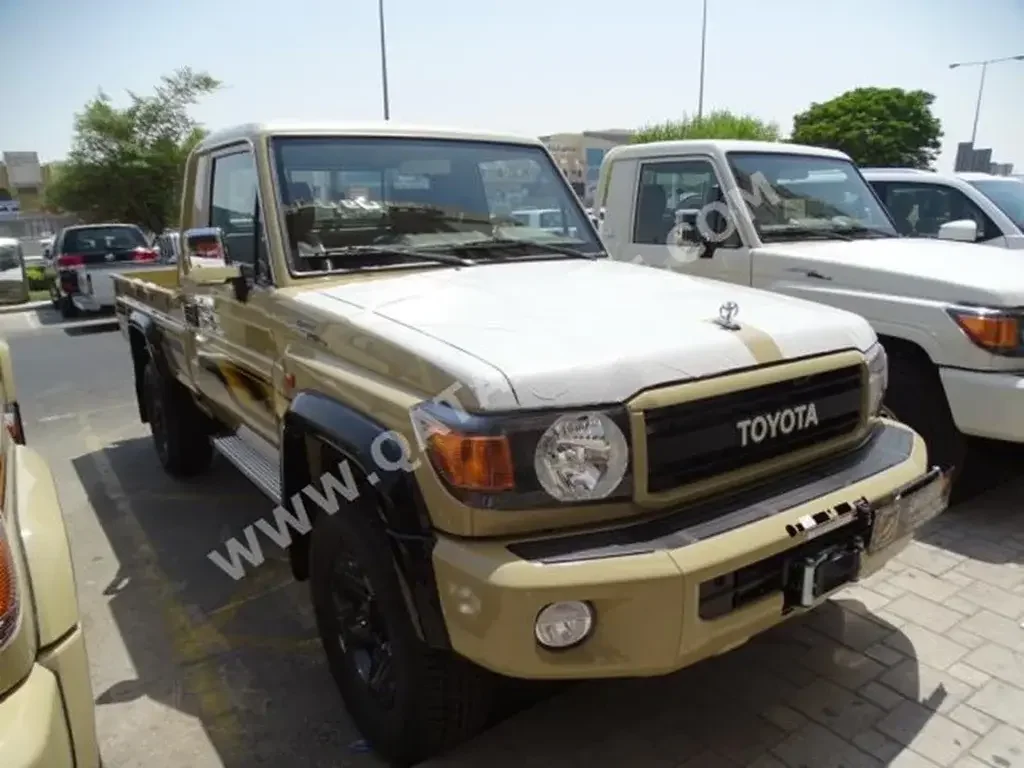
[398, 503]
[146, 339]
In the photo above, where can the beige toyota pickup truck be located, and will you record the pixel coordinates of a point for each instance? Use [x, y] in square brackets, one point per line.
[496, 453]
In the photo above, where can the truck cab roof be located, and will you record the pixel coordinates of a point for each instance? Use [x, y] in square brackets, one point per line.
[253, 132]
[717, 147]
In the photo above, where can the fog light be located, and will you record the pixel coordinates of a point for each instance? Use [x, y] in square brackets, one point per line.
[563, 625]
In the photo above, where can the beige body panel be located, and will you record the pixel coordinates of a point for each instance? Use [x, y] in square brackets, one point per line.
[69, 661]
[33, 731]
[645, 605]
[45, 546]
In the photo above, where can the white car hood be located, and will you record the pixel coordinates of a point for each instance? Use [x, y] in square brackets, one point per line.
[567, 333]
[915, 267]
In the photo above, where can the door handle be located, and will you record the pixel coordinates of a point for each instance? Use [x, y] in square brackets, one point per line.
[811, 273]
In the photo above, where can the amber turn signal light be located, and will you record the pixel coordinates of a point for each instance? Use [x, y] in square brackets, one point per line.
[472, 462]
[8, 591]
[997, 333]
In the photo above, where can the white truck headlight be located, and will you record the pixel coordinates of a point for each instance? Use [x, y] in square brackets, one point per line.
[878, 377]
[581, 457]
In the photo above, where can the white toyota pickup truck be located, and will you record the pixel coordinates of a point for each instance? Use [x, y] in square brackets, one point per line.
[803, 221]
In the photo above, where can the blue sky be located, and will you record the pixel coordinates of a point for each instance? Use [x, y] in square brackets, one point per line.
[529, 66]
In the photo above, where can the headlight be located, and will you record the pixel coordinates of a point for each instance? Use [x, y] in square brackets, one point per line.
[581, 457]
[527, 460]
[997, 331]
[878, 377]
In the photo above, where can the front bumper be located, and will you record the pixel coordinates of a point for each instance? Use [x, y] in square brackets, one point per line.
[645, 580]
[48, 721]
[986, 404]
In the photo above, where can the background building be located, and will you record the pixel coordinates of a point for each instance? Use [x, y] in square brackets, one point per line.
[579, 155]
[23, 182]
[970, 158]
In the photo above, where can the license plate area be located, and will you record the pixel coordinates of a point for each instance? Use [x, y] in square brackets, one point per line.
[908, 508]
[834, 544]
[810, 576]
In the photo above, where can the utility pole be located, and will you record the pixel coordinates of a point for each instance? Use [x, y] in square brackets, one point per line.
[703, 48]
[981, 85]
[383, 61]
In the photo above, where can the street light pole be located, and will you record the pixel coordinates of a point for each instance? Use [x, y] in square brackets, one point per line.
[703, 48]
[383, 61]
[977, 107]
[981, 85]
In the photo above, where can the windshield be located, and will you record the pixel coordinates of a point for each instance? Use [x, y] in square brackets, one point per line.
[792, 195]
[1007, 194]
[343, 196]
[102, 239]
[10, 256]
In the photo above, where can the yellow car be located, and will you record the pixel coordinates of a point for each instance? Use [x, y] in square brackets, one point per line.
[47, 715]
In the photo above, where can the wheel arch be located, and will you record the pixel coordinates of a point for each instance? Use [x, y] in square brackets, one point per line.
[315, 419]
[898, 345]
[143, 338]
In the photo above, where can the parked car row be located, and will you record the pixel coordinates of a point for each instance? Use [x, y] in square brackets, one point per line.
[747, 391]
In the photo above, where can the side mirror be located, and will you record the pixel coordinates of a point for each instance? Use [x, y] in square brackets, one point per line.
[962, 230]
[688, 233]
[209, 264]
[204, 247]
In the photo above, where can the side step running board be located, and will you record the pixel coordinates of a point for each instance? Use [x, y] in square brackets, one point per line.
[255, 458]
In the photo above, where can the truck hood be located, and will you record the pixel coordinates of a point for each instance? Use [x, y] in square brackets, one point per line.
[568, 333]
[915, 267]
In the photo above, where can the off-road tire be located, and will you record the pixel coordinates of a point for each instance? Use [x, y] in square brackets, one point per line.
[916, 397]
[180, 430]
[440, 699]
[68, 309]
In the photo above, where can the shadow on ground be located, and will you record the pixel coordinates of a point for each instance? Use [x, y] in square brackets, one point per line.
[49, 316]
[243, 658]
[804, 693]
[92, 329]
[989, 526]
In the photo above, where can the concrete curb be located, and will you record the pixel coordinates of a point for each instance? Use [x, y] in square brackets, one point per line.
[6, 309]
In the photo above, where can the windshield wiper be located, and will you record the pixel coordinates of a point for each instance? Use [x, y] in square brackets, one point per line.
[809, 232]
[860, 229]
[390, 250]
[508, 242]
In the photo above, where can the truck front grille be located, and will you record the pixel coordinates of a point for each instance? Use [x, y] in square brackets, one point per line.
[692, 441]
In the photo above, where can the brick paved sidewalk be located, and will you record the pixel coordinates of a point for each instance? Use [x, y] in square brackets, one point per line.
[920, 666]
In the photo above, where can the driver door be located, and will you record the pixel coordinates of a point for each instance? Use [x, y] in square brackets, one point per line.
[678, 207]
[234, 349]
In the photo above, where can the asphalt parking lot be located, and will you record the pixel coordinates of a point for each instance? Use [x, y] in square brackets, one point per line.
[923, 665]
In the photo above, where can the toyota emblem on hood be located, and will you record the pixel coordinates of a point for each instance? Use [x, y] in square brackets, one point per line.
[726, 313]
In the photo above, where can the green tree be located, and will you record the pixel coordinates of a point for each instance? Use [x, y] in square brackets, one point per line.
[720, 124]
[877, 127]
[126, 164]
